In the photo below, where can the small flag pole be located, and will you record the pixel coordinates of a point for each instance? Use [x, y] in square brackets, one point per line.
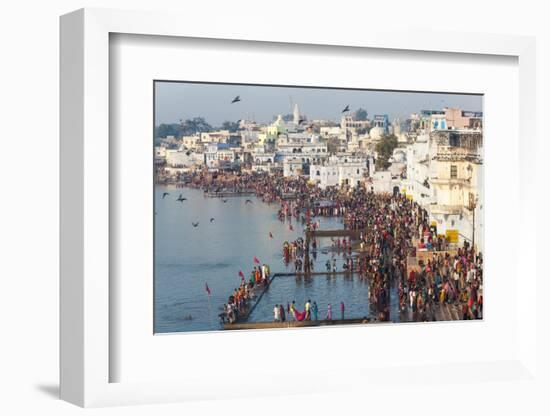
[209, 293]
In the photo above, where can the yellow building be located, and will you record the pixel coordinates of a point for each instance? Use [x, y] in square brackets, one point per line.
[456, 176]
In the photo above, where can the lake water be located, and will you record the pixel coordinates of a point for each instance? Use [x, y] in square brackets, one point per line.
[187, 258]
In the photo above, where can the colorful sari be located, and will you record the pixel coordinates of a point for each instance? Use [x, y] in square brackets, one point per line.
[300, 316]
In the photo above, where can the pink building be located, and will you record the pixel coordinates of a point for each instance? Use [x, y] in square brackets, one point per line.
[460, 119]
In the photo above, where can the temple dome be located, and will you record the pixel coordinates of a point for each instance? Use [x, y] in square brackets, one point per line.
[279, 121]
[376, 133]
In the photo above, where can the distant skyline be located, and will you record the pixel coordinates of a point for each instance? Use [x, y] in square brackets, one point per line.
[182, 100]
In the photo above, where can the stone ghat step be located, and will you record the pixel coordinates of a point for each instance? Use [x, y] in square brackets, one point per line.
[312, 274]
[446, 312]
[291, 324]
[229, 194]
[334, 233]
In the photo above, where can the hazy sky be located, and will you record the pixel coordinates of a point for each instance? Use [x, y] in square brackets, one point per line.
[178, 100]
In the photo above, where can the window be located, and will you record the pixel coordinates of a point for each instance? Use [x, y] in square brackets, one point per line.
[454, 140]
[454, 172]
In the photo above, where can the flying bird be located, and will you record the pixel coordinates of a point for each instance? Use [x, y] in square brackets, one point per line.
[224, 200]
[181, 198]
[212, 219]
[195, 224]
[345, 109]
[248, 201]
[165, 194]
[236, 99]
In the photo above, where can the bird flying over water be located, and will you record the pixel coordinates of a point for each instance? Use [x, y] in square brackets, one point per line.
[224, 200]
[165, 194]
[236, 99]
[195, 224]
[345, 109]
[248, 201]
[181, 198]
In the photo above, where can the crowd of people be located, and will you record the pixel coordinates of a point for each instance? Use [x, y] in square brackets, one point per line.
[239, 302]
[392, 228]
[309, 313]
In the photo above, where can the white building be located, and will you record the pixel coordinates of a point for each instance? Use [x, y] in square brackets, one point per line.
[259, 156]
[181, 158]
[310, 148]
[218, 153]
[417, 184]
[338, 172]
[220, 136]
[347, 122]
[382, 182]
[249, 136]
[328, 131]
[376, 133]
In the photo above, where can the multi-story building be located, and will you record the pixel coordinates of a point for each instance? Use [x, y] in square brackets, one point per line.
[347, 122]
[192, 142]
[308, 147]
[216, 154]
[338, 171]
[181, 158]
[219, 136]
[331, 132]
[382, 121]
[461, 119]
[293, 166]
[456, 179]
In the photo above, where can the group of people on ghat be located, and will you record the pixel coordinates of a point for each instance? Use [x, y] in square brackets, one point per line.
[391, 224]
[392, 228]
[238, 303]
[294, 251]
[445, 278]
[260, 274]
[309, 313]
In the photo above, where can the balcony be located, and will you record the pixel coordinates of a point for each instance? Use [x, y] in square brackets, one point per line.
[450, 182]
[446, 209]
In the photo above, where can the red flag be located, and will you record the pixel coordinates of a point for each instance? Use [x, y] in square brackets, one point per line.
[270, 235]
[207, 289]
[241, 274]
[256, 260]
[290, 227]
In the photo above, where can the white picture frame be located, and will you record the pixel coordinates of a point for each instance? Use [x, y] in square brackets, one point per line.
[86, 355]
